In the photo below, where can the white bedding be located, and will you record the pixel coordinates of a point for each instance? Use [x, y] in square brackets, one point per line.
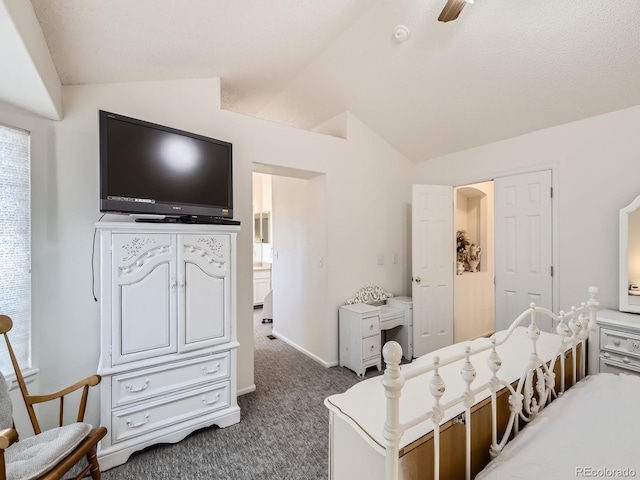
[591, 431]
[364, 405]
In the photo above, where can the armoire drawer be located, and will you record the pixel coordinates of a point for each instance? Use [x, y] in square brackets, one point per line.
[149, 383]
[140, 419]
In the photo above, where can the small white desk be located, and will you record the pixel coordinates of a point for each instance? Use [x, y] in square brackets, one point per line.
[361, 326]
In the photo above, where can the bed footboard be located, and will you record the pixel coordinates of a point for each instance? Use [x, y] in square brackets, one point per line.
[522, 400]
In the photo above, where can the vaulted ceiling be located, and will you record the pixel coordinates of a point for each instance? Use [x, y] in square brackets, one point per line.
[502, 69]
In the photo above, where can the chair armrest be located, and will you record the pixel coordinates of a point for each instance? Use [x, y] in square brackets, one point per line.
[7, 438]
[85, 384]
[90, 381]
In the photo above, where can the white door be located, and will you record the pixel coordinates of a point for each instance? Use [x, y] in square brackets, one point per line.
[433, 254]
[523, 245]
[203, 291]
[143, 304]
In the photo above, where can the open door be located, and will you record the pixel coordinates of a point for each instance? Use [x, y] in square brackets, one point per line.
[433, 255]
[523, 243]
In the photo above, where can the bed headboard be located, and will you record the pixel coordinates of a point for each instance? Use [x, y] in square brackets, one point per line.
[534, 390]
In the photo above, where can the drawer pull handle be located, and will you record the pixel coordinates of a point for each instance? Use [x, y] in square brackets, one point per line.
[210, 372]
[132, 389]
[130, 424]
[372, 348]
[210, 402]
[626, 360]
[606, 355]
[616, 342]
[371, 327]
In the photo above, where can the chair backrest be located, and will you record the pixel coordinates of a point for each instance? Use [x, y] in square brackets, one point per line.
[5, 325]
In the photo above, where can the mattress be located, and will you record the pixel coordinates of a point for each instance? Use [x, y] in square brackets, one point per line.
[363, 406]
[590, 431]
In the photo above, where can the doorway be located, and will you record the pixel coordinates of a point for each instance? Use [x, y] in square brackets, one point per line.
[297, 252]
[473, 284]
[512, 216]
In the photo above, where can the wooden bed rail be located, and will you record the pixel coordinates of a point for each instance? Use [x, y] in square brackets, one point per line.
[535, 388]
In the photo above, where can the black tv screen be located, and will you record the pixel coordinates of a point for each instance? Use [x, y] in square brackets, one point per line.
[147, 168]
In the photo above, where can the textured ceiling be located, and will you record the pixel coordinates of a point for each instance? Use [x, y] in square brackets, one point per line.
[502, 69]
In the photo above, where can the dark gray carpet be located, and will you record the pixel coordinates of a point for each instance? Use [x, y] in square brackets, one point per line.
[283, 433]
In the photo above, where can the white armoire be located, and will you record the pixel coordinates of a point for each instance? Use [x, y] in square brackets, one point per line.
[168, 333]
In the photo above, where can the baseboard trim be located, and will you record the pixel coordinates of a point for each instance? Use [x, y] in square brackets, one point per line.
[244, 391]
[302, 350]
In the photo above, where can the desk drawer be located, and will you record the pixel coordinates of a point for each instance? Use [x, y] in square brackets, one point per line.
[370, 347]
[153, 415]
[148, 383]
[370, 326]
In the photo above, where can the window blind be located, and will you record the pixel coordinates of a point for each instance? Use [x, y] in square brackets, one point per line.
[15, 243]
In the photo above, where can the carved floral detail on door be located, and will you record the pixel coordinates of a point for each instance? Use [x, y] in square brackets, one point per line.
[134, 247]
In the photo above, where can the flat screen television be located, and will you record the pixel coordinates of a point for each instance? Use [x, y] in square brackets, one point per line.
[153, 170]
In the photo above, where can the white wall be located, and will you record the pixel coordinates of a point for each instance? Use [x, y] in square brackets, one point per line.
[596, 168]
[65, 175]
[299, 274]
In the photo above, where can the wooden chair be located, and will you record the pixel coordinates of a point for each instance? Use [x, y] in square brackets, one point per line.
[53, 453]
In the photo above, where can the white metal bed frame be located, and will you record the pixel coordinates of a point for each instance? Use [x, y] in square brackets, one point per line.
[525, 401]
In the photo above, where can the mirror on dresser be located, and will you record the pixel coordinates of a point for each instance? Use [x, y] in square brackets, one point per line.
[630, 257]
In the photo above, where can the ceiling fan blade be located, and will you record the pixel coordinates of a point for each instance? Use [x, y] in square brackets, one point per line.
[451, 10]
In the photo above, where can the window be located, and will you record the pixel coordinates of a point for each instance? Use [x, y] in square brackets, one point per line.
[15, 243]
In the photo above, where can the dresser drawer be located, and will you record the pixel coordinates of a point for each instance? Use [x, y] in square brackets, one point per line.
[148, 383]
[620, 342]
[611, 366]
[370, 347]
[370, 326]
[141, 419]
[620, 359]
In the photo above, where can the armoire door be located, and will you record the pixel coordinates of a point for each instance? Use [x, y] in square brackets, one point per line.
[433, 255]
[203, 291]
[144, 310]
[523, 245]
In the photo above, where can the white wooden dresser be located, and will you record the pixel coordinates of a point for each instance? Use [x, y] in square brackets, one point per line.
[618, 342]
[168, 333]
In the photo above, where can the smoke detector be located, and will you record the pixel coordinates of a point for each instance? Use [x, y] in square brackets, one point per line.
[400, 33]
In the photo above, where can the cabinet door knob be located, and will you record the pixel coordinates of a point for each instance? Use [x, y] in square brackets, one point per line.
[626, 360]
[418, 279]
[606, 355]
[371, 327]
[616, 342]
[372, 348]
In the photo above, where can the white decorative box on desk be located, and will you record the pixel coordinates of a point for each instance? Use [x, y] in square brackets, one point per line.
[168, 334]
[619, 340]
